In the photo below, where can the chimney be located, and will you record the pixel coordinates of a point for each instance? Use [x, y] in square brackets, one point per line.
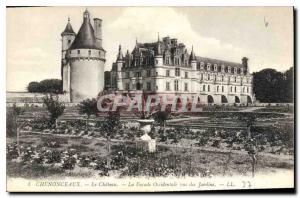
[98, 32]
[245, 64]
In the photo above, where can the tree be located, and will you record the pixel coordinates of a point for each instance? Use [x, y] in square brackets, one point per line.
[54, 107]
[46, 86]
[289, 84]
[270, 85]
[110, 127]
[11, 120]
[161, 117]
[33, 87]
[88, 107]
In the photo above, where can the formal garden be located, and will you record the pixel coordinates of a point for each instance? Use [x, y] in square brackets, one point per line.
[94, 145]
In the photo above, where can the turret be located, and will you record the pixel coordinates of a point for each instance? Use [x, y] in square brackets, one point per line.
[68, 36]
[158, 58]
[120, 62]
[193, 60]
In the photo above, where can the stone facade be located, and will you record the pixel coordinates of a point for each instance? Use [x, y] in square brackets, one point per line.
[166, 67]
[83, 60]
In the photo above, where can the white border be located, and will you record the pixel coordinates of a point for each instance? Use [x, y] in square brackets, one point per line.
[112, 3]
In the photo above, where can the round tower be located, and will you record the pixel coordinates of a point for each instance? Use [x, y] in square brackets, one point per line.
[87, 60]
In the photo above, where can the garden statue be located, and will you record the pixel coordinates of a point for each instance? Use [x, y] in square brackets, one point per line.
[145, 141]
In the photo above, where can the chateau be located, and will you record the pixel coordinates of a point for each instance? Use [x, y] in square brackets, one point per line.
[83, 58]
[161, 67]
[166, 67]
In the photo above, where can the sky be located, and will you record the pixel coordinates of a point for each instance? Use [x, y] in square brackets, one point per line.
[33, 40]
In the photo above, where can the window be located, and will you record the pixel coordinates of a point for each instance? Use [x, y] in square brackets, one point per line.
[138, 86]
[168, 73]
[69, 42]
[137, 74]
[203, 87]
[247, 90]
[222, 88]
[217, 88]
[186, 87]
[167, 60]
[222, 78]
[186, 74]
[148, 86]
[127, 86]
[78, 51]
[148, 73]
[177, 71]
[208, 77]
[90, 52]
[176, 85]
[235, 89]
[168, 86]
[208, 88]
[230, 89]
[234, 79]
[201, 77]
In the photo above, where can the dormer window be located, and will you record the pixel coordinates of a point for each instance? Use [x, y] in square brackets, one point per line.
[208, 67]
[201, 65]
[223, 68]
[215, 67]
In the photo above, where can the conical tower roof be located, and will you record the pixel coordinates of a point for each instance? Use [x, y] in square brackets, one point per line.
[192, 56]
[120, 54]
[85, 39]
[68, 29]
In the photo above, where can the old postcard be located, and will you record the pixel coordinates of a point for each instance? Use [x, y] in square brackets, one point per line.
[149, 99]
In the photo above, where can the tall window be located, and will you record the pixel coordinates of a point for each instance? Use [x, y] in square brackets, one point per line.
[208, 76]
[201, 77]
[186, 87]
[168, 73]
[235, 79]
[176, 85]
[235, 89]
[90, 52]
[203, 87]
[208, 88]
[148, 86]
[222, 78]
[222, 88]
[177, 71]
[168, 86]
[137, 74]
[217, 88]
[186, 74]
[127, 86]
[148, 73]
